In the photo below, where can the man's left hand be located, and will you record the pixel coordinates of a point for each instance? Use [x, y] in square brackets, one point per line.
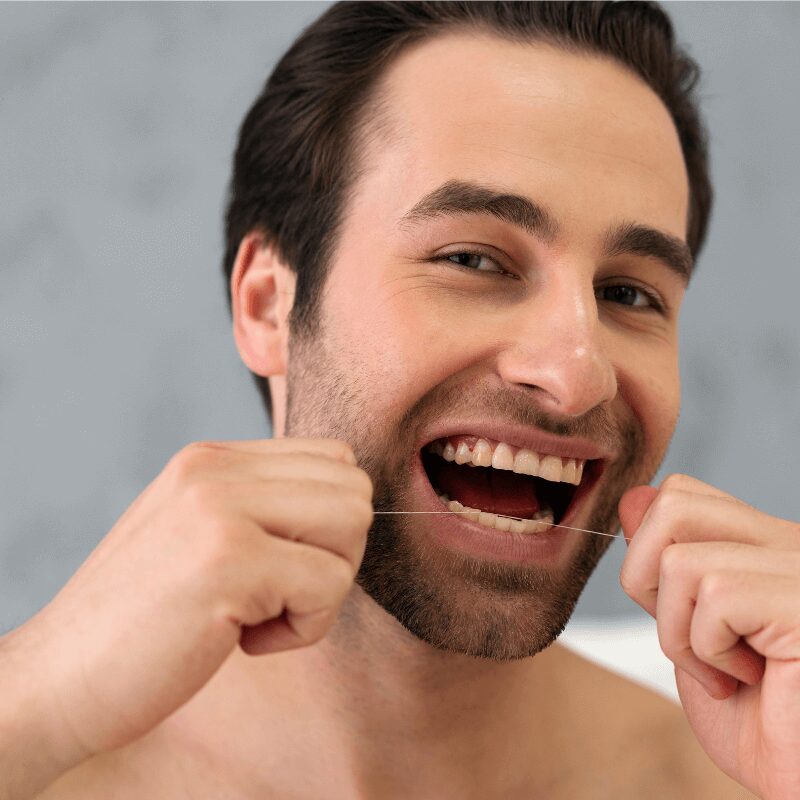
[722, 580]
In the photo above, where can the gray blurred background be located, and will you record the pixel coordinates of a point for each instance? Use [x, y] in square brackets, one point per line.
[117, 125]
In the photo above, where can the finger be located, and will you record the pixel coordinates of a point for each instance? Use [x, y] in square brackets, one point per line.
[676, 516]
[688, 483]
[309, 512]
[284, 594]
[741, 618]
[234, 465]
[633, 507]
[272, 636]
[635, 502]
[719, 685]
[331, 448]
[688, 562]
[683, 566]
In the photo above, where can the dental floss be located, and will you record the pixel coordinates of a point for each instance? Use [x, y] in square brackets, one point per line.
[552, 524]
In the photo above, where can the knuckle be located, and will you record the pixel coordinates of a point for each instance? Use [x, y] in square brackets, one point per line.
[216, 536]
[207, 444]
[202, 498]
[677, 480]
[252, 608]
[183, 464]
[263, 605]
[354, 511]
[669, 645]
[701, 647]
[213, 555]
[713, 589]
[362, 512]
[676, 650]
[191, 459]
[673, 560]
[628, 583]
[341, 575]
[364, 483]
[341, 450]
[669, 506]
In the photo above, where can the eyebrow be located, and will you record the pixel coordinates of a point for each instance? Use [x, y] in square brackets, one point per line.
[460, 197]
[456, 198]
[643, 241]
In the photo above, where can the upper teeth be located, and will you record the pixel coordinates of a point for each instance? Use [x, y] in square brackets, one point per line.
[504, 456]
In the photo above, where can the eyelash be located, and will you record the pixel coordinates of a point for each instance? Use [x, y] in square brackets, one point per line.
[447, 256]
[656, 303]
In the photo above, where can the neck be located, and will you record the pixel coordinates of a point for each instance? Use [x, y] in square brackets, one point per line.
[382, 714]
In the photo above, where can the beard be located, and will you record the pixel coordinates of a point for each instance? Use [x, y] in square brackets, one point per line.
[452, 601]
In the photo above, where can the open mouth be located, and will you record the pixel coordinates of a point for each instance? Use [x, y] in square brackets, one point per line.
[506, 487]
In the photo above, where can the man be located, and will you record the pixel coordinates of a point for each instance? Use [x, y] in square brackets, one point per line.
[458, 240]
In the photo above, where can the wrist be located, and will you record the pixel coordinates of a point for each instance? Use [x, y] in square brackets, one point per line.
[35, 746]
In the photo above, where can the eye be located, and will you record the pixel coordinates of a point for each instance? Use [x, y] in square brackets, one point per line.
[472, 260]
[628, 294]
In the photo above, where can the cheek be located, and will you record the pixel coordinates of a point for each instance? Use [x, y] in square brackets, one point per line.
[403, 338]
[649, 384]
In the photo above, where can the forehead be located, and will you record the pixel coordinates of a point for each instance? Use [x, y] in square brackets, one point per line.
[579, 133]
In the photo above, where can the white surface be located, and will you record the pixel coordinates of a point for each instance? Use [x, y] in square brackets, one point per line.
[629, 648]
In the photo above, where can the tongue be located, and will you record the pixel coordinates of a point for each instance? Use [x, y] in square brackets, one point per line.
[494, 490]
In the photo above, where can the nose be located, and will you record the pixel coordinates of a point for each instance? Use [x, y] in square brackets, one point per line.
[557, 349]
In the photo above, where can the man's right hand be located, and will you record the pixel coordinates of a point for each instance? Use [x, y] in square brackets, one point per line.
[250, 543]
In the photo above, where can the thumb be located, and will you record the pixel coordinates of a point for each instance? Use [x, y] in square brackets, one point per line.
[633, 506]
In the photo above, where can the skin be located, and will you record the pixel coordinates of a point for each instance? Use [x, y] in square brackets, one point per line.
[356, 710]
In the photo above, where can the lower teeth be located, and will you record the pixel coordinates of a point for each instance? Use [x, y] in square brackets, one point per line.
[542, 520]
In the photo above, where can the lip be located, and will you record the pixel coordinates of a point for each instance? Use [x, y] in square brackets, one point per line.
[520, 436]
[455, 532]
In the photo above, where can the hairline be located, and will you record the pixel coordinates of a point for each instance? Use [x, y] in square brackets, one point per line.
[375, 125]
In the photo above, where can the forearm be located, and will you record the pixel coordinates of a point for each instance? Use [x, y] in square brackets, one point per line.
[31, 755]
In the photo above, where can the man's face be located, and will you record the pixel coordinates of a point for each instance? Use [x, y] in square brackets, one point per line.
[558, 338]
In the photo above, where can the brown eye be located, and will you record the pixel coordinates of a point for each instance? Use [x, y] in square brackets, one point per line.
[474, 261]
[627, 294]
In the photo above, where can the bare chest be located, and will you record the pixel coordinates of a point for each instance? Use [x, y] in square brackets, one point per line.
[182, 779]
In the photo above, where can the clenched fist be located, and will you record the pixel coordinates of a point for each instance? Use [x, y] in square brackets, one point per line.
[249, 543]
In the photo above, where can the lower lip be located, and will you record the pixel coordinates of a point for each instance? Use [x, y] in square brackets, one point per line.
[456, 532]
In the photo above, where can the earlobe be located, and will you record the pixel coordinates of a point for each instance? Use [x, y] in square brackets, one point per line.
[262, 292]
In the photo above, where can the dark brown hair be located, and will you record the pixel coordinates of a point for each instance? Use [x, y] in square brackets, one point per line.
[297, 157]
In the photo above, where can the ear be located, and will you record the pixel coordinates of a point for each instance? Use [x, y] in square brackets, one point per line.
[262, 294]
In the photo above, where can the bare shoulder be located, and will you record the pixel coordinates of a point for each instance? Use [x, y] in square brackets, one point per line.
[646, 737]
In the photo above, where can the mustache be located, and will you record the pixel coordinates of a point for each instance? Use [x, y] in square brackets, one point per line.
[518, 407]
